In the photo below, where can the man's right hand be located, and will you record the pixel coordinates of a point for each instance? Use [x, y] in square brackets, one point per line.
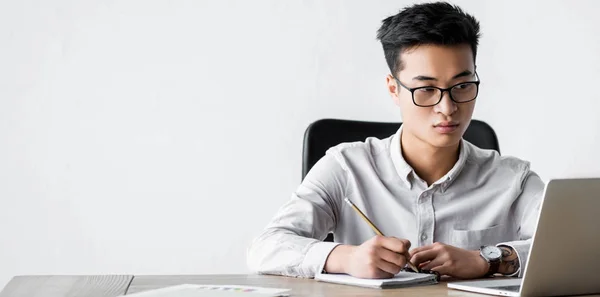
[379, 257]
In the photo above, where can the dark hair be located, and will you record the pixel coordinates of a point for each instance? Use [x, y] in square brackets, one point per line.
[438, 23]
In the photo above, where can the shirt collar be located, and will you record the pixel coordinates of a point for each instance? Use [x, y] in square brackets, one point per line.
[404, 169]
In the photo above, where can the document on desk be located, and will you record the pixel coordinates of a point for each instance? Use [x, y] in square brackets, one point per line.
[402, 279]
[189, 290]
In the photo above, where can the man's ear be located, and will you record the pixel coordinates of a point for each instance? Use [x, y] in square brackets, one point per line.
[392, 88]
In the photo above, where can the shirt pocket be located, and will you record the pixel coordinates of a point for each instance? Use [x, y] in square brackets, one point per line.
[474, 239]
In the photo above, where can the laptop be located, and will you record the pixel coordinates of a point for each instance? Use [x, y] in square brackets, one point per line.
[564, 258]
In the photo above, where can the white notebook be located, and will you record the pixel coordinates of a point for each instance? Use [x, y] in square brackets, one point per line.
[402, 279]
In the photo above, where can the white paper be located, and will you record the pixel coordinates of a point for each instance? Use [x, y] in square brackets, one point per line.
[402, 278]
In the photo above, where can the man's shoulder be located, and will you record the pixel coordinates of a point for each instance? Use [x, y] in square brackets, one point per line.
[486, 159]
[370, 147]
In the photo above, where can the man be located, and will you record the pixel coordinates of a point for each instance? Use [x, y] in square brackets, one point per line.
[436, 197]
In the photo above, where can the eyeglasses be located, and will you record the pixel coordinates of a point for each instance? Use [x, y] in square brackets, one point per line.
[429, 95]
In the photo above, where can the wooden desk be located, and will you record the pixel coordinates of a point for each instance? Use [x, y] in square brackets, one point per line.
[299, 286]
[116, 285]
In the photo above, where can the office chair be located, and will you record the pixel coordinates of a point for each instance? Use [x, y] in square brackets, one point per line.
[326, 133]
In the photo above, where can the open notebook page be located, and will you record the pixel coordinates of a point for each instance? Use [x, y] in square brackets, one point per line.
[402, 279]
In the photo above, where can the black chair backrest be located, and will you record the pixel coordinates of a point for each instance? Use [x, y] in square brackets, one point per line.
[326, 133]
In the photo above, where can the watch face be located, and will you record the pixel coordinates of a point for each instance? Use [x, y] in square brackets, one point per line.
[491, 252]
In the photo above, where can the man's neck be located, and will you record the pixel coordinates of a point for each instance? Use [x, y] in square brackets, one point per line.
[429, 163]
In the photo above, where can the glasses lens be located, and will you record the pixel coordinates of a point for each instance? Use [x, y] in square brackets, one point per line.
[426, 96]
[464, 92]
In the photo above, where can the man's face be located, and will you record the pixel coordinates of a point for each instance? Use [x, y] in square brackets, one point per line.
[444, 124]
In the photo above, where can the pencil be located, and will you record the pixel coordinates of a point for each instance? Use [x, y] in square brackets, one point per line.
[364, 217]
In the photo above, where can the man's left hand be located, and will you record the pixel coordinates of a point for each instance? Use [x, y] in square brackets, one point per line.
[450, 260]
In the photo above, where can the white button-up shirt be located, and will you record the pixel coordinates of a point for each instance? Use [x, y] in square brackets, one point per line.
[485, 199]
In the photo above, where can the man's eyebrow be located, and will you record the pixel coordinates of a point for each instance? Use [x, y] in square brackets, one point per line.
[463, 74]
[429, 78]
[424, 78]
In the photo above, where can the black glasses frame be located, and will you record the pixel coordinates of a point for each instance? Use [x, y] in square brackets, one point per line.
[442, 90]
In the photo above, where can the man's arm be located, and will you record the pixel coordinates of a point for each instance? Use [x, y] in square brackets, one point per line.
[467, 264]
[292, 244]
[526, 208]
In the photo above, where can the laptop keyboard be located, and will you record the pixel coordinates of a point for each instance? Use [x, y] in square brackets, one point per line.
[507, 288]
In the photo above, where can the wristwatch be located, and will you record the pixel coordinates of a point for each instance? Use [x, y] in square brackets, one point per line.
[493, 255]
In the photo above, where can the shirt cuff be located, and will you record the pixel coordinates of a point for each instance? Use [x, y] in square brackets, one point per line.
[315, 258]
[522, 250]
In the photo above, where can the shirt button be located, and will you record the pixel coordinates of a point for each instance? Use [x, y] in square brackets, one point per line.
[423, 237]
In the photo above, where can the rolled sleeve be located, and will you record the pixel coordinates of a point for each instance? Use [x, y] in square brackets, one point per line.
[314, 261]
[526, 214]
[522, 249]
[292, 244]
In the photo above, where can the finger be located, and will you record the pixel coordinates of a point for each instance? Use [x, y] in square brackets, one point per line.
[388, 267]
[434, 263]
[383, 274]
[424, 256]
[421, 265]
[445, 269]
[394, 244]
[420, 249]
[392, 257]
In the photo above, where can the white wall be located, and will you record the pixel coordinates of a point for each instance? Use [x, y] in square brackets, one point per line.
[153, 137]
